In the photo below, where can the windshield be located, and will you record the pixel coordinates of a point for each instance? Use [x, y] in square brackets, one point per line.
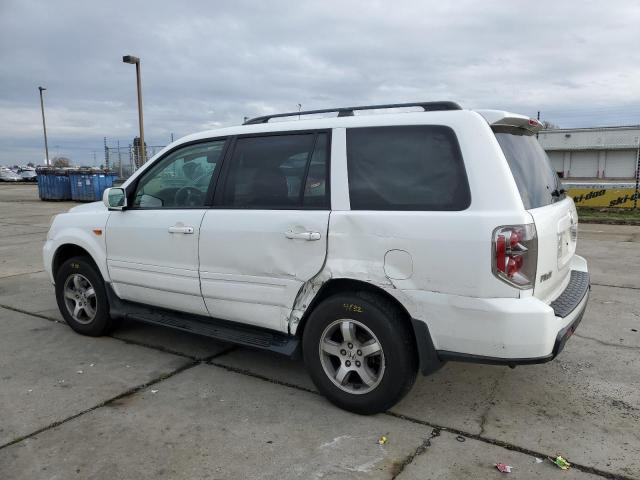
[537, 182]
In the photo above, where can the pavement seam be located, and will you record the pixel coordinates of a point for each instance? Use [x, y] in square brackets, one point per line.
[509, 446]
[127, 393]
[3, 222]
[124, 394]
[33, 314]
[43, 232]
[472, 436]
[249, 373]
[615, 286]
[19, 274]
[240, 371]
[629, 347]
[490, 401]
[422, 448]
[124, 340]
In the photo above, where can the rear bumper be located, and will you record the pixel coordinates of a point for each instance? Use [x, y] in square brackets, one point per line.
[558, 345]
[501, 331]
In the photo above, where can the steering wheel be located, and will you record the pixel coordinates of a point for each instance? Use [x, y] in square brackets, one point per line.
[189, 197]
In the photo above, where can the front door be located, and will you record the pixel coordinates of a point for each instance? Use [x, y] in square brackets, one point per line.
[152, 247]
[267, 232]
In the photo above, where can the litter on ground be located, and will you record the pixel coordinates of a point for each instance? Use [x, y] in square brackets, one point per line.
[503, 468]
[561, 462]
[382, 440]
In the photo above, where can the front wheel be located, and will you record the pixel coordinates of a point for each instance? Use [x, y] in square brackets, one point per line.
[360, 352]
[82, 298]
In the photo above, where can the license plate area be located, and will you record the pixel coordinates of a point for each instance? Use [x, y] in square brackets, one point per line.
[566, 242]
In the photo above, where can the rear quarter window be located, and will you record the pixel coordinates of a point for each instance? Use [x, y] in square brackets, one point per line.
[417, 167]
[536, 179]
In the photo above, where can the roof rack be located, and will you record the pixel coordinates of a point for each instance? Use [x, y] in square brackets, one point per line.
[348, 111]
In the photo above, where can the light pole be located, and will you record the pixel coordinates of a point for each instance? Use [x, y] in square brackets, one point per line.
[44, 127]
[136, 61]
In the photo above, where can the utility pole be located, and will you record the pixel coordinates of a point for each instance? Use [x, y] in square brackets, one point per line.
[538, 121]
[44, 127]
[106, 154]
[637, 192]
[142, 147]
[119, 159]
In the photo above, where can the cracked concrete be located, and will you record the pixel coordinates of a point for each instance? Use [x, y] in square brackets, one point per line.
[207, 422]
[449, 458]
[39, 367]
[218, 412]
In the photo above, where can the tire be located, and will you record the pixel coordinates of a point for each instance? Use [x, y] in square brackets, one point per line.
[85, 290]
[374, 380]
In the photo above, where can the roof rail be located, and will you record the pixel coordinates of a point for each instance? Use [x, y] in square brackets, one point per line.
[348, 111]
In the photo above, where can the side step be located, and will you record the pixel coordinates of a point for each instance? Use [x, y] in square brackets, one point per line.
[222, 330]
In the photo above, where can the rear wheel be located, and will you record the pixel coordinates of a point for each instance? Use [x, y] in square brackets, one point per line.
[360, 352]
[82, 298]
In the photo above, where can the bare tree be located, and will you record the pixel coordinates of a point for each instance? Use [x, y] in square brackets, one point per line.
[549, 125]
[60, 162]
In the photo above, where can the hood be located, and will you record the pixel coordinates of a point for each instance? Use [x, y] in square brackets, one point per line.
[89, 207]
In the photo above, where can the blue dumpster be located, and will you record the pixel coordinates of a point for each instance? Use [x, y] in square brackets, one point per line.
[53, 184]
[89, 185]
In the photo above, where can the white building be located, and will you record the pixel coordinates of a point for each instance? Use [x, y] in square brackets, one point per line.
[588, 153]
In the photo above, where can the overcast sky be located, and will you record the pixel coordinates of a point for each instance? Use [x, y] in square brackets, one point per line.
[210, 63]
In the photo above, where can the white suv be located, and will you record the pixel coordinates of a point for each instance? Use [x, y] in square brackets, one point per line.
[378, 245]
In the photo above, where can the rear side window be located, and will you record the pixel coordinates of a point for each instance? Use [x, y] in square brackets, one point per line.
[536, 179]
[278, 172]
[406, 168]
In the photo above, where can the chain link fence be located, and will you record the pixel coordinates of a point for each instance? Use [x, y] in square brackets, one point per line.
[126, 160]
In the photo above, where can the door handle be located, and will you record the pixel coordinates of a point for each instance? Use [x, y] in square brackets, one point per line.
[180, 229]
[308, 236]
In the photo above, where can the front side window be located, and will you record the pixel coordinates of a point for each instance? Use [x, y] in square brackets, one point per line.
[416, 167]
[181, 179]
[278, 172]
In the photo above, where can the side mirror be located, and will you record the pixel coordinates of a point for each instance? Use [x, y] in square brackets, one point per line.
[115, 198]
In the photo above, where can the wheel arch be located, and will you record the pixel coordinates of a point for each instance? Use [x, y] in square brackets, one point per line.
[68, 250]
[341, 285]
[428, 357]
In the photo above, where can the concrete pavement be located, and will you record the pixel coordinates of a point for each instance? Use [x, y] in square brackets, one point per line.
[154, 403]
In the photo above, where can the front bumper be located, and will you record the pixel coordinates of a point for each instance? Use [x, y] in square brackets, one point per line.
[501, 331]
[47, 258]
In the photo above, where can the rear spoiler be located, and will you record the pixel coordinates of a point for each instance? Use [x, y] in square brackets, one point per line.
[508, 119]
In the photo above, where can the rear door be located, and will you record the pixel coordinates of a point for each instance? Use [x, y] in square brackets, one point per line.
[267, 232]
[554, 214]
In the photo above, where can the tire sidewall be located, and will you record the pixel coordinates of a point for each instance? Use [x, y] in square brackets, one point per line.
[82, 266]
[400, 363]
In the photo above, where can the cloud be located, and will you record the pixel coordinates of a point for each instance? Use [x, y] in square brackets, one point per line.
[207, 64]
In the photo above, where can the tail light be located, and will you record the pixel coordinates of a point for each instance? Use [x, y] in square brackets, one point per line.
[515, 254]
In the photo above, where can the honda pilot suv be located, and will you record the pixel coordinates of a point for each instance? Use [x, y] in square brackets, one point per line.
[375, 245]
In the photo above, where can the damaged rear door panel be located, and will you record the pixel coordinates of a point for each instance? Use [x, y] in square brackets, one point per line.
[267, 233]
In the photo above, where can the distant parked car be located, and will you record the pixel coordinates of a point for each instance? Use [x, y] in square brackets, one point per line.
[7, 175]
[28, 174]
